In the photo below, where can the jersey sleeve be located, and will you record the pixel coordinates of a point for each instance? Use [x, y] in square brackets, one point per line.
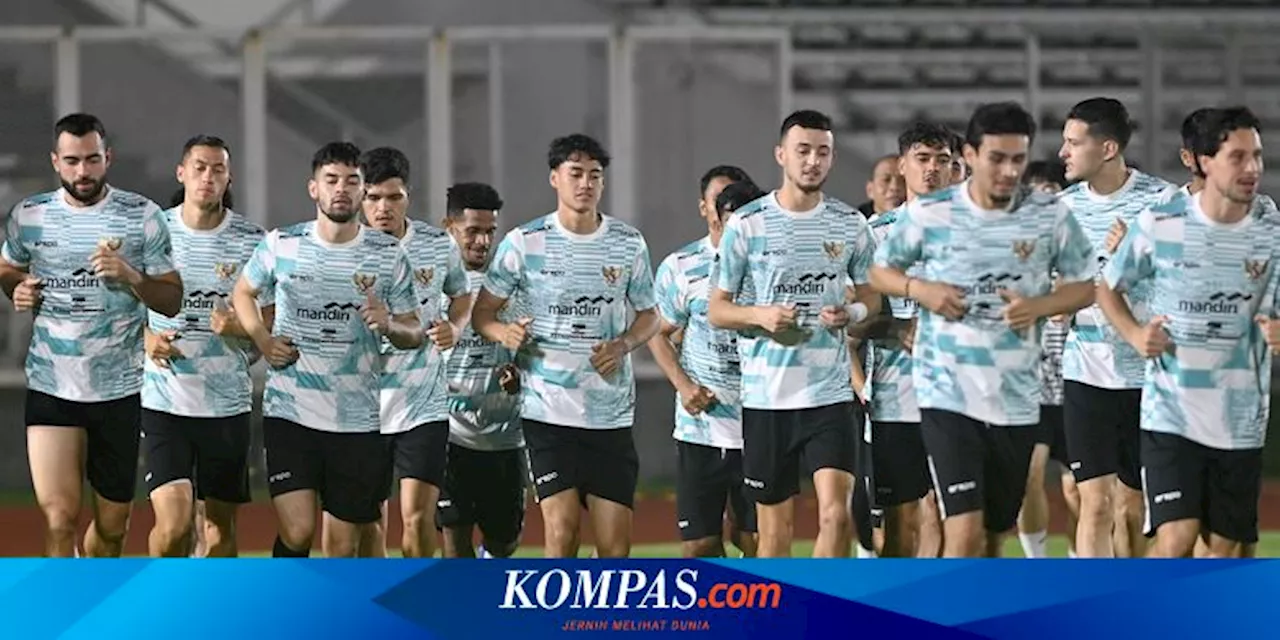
[903, 245]
[455, 279]
[260, 271]
[266, 295]
[640, 288]
[1073, 259]
[1132, 261]
[506, 271]
[731, 265]
[671, 300]
[13, 251]
[400, 297]
[864, 249]
[157, 247]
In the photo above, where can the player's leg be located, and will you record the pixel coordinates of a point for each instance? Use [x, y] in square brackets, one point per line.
[170, 457]
[222, 480]
[1008, 461]
[199, 542]
[743, 526]
[901, 480]
[553, 458]
[702, 489]
[420, 465]
[1173, 487]
[351, 489]
[373, 536]
[929, 541]
[610, 472]
[500, 508]
[1092, 427]
[1070, 496]
[771, 475]
[957, 449]
[455, 508]
[1127, 492]
[1033, 519]
[295, 466]
[112, 470]
[1233, 489]
[827, 455]
[55, 455]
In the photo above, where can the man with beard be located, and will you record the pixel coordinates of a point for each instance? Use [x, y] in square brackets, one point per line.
[197, 394]
[791, 253]
[88, 260]
[987, 250]
[340, 288]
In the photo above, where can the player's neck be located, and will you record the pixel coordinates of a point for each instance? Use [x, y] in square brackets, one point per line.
[201, 219]
[401, 229]
[983, 200]
[792, 198]
[583, 223]
[1196, 185]
[714, 237]
[81, 204]
[1218, 208]
[1110, 178]
[336, 232]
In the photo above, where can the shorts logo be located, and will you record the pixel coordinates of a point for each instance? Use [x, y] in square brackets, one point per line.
[1256, 268]
[834, 250]
[280, 477]
[224, 270]
[962, 487]
[110, 243]
[753, 483]
[424, 276]
[545, 478]
[1023, 249]
[1169, 496]
[364, 281]
[611, 274]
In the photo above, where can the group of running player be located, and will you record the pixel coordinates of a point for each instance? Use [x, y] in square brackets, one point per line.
[916, 354]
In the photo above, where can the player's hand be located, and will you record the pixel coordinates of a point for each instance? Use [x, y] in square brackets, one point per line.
[1270, 332]
[161, 350]
[515, 333]
[834, 317]
[1020, 312]
[1152, 339]
[509, 379]
[696, 398]
[442, 335]
[222, 320]
[776, 319]
[375, 313]
[942, 299]
[108, 265]
[908, 335]
[607, 356]
[1115, 235]
[279, 352]
[28, 294]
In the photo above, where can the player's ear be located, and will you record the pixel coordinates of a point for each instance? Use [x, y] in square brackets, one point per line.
[313, 189]
[107, 157]
[178, 173]
[53, 159]
[553, 180]
[777, 154]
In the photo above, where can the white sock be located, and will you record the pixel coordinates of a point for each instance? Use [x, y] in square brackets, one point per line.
[863, 553]
[1035, 544]
[484, 553]
[1071, 553]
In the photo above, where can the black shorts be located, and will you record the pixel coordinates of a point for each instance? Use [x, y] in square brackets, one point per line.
[1102, 431]
[484, 489]
[1184, 480]
[598, 462]
[213, 453]
[419, 453]
[1052, 433]
[709, 480]
[778, 445]
[112, 430]
[977, 467]
[901, 465]
[347, 470]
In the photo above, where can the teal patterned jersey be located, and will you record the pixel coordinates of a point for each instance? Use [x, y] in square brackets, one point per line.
[482, 416]
[414, 387]
[977, 366]
[803, 259]
[1095, 354]
[1210, 280]
[320, 288]
[888, 364]
[709, 356]
[211, 380]
[577, 289]
[86, 342]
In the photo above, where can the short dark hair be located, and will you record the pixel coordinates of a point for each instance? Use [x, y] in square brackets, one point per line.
[1212, 130]
[1107, 119]
[1191, 124]
[1046, 171]
[336, 153]
[805, 119]
[79, 125]
[564, 148]
[204, 140]
[383, 164]
[999, 119]
[736, 195]
[728, 171]
[957, 144]
[471, 195]
[926, 134]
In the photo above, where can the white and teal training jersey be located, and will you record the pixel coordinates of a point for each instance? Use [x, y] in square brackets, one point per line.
[1095, 354]
[709, 356]
[86, 342]
[415, 390]
[802, 259]
[978, 366]
[1210, 279]
[320, 288]
[577, 289]
[482, 416]
[211, 380]
[888, 367]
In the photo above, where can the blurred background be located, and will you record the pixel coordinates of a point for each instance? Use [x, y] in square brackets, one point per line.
[476, 89]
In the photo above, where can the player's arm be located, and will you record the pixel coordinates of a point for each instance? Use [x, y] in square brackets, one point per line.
[642, 299]
[728, 275]
[484, 316]
[1130, 264]
[460, 301]
[673, 316]
[867, 301]
[857, 372]
[404, 329]
[1074, 262]
[506, 273]
[15, 260]
[158, 284]
[902, 248]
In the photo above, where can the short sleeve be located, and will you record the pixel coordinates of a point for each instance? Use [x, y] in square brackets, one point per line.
[400, 297]
[672, 305]
[260, 271]
[455, 280]
[157, 248]
[13, 250]
[1132, 261]
[640, 288]
[506, 271]
[732, 262]
[1073, 259]
[903, 245]
[864, 249]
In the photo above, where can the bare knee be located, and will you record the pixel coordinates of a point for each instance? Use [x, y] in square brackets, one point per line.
[111, 522]
[60, 518]
[220, 537]
[298, 534]
[835, 517]
[1095, 500]
[709, 547]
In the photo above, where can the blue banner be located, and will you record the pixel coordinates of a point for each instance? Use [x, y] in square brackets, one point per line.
[784, 599]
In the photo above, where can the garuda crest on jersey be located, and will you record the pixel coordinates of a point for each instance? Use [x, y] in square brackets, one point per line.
[364, 281]
[225, 270]
[1256, 268]
[834, 250]
[424, 275]
[611, 274]
[1023, 249]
